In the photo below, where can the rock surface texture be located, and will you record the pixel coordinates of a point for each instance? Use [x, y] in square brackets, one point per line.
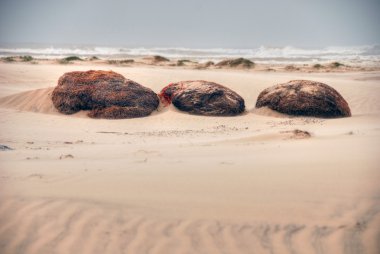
[105, 93]
[304, 98]
[203, 98]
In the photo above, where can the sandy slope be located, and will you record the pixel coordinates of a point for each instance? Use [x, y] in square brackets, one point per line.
[176, 183]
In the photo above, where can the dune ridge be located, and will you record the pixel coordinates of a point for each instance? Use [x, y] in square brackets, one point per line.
[38, 101]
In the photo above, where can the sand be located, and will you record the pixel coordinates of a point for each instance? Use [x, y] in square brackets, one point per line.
[177, 183]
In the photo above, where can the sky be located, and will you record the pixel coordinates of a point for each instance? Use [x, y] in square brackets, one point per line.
[191, 23]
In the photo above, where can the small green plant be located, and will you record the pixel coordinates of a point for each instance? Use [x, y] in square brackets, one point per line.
[182, 62]
[336, 64]
[8, 59]
[209, 63]
[69, 59]
[290, 68]
[93, 58]
[204, 65]
[160, 59]
[243, 62]
[238, 62]
[63, 61]
[73, 58]
[317, 66]
[26, 58]
[126, 61]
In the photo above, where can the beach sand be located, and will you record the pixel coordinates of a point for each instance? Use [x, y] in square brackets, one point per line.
[178, 183]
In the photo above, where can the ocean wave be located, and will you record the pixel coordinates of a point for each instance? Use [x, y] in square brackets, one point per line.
[367, 53]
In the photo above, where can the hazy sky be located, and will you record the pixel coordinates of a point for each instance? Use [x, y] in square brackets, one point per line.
[191, 23]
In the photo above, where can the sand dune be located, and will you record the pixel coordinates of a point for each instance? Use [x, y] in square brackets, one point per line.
[38, 101]
[260, 182]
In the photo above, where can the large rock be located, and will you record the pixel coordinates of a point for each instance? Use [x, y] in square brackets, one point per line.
[306, 98]
[203, 98]
[105, 93]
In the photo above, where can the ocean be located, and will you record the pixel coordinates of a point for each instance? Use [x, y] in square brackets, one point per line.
[361, 55]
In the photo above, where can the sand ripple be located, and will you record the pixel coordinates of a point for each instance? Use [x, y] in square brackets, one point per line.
[69, 226]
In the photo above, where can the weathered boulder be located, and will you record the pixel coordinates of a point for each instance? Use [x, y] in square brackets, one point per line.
[306, 98]
[105, 93]
[203, 98]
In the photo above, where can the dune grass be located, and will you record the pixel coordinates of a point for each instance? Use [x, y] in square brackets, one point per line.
[336, 64]
[238, 62]
[126, 61]
[158, 58]
[69, 59]
[26, 58]
[8, 59]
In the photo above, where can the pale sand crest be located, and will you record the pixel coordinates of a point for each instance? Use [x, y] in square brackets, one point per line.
[176, 183]
[38, 100]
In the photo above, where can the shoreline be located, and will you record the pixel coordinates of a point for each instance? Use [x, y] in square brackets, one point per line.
[241, 64]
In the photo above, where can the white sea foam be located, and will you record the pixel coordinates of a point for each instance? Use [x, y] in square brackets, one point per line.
[263, 54]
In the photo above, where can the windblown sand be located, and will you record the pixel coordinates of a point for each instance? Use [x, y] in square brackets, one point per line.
[177, 183]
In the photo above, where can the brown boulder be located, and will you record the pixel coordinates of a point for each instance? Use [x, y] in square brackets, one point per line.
[105, 93]
[203, 98]
[306, 98]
